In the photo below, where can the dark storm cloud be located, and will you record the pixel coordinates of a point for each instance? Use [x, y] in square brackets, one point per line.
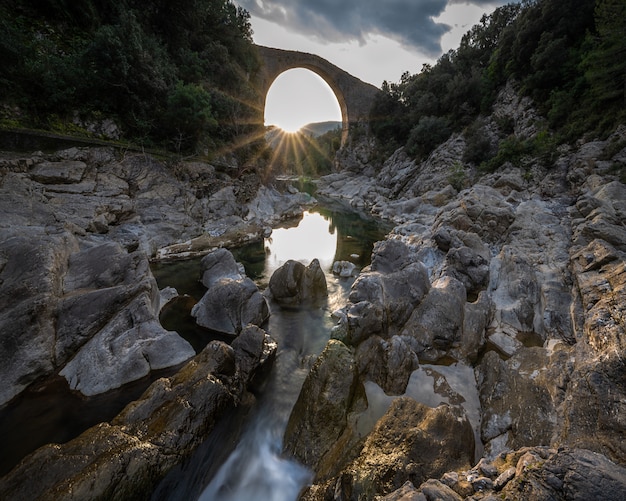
[410, 22]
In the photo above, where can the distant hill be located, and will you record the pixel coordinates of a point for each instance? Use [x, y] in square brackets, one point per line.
[316, 129]
[319, 128]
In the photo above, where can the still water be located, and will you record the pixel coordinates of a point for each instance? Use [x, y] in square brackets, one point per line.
[256, 468]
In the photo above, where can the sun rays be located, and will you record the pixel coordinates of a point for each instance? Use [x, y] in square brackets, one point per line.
[296, 153]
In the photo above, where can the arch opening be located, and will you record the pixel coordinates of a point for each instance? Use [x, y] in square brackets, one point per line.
[300, 96]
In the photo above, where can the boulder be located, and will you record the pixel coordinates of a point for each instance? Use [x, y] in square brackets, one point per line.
[319, 416]
[293, 284]
[516, 400]
[219, 264]
[411, 442]
[230, 305]
[108, 332]
[573, 474]
[437, 322]
[344, 269]
[32, 264]
[388, 363]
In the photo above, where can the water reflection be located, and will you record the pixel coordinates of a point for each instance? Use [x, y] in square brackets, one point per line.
[314, 237]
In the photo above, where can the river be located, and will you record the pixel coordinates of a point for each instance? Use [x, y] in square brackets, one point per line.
[256, 468]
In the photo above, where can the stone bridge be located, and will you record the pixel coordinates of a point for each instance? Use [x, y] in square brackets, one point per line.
[355, 97]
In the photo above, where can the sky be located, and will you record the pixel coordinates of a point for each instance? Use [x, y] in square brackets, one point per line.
[374, 40]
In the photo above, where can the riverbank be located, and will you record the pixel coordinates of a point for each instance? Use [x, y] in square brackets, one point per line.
[79, 303]
[516, 279]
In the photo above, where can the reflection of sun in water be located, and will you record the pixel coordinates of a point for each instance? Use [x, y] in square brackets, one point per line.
[311, 239]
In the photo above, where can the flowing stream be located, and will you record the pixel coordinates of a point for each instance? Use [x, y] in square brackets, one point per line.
[256, 468]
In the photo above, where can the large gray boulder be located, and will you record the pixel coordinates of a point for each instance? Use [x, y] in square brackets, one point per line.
[230, 305]
[232, 300]
[32, 264]
[294, 284]
[108, 332]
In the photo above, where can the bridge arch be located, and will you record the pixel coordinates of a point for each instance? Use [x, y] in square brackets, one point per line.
[353, 95]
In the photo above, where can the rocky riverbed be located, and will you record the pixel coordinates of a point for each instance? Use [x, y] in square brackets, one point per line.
[515, 282]
[78, 300]
[479, 356]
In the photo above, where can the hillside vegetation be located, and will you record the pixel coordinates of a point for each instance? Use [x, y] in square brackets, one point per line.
[569, 56]
[171, 74]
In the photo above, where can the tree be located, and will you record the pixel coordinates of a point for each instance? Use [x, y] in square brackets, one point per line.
[188, 119]
[605, 63]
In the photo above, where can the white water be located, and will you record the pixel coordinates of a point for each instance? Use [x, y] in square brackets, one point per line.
[257, 469]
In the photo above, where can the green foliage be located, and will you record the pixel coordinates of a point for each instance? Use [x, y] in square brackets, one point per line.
[188, 117]
[132, 60]
[478, 147]
[458, 176]
[429, 133]
[520, 152]
[604, 64]
[569, 56]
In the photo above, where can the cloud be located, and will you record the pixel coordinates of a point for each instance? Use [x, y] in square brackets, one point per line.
[410, 22]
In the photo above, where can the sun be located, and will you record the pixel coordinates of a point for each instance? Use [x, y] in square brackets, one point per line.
[299, 97]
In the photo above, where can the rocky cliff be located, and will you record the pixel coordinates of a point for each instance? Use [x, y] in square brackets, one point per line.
[499, 301]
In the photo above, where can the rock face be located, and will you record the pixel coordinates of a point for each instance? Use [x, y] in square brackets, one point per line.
[293, 284]
[128, 457]
[78, 225]
[517, 276]
[91, 314]
[232, 300]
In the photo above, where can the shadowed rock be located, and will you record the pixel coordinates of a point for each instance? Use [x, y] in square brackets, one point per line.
[293, 284]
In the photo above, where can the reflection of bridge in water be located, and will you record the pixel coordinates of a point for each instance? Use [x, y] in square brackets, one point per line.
[355, 97]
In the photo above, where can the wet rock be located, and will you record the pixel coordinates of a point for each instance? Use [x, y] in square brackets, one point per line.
[128, 457]
[319, 416]
[254, 351]
[294, 284]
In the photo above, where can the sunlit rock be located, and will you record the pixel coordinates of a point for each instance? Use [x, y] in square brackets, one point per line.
[410, 442]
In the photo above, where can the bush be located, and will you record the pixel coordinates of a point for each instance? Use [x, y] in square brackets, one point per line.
[429, 133]
[478, 147]
[188, 120]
